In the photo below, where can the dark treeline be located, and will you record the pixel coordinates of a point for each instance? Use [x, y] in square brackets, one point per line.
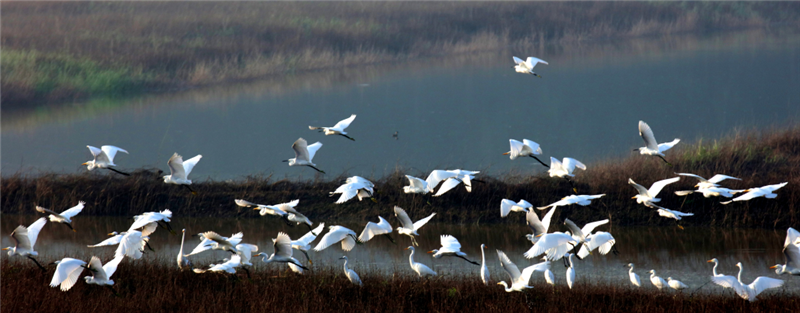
[144, 287]
[757, 158]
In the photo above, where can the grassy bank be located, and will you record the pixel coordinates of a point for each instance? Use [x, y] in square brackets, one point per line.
[155, 288]
[758, 158]
[56, 51]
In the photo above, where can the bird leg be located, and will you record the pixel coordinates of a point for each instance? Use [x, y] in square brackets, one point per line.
[147, 244]
[614, 250]
[248, 273]
[679, 225]
[665, 160]
[309, 228]
[318, 170]
[301, 266]
[190, 189]
[390, 238]
[37, 263]
[473, 262]
[112, 290]
[288, 223]
[118, 172]
[571, 184]
[307, 258]
[70, 227]
[414, 241]
[167, 226]
[348, 137]
[540, 161]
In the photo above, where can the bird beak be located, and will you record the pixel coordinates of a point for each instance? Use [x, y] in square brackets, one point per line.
[774, 266]
[539, 235]
[110, 234]
[5, 248]
[85, 163]
[256, 209]
[406, 248]
[499, 283]
[709, 261]
[506, 153]
[75, 231]
[430, 251]
[634, 197]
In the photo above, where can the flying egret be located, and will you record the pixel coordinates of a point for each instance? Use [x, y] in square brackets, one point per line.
[421, 269]
[451, 179]
[676, 284]
[603, 241]
[549, 241]
[65, 217]
[304, 243]
[153, 217]
[791, 253]
[227, 267]
[570, 271]
[179, 170]
[484, 268]
[104, 158]
[337, 129]
[549, 277]
[564, 169]
[747, 292]
[526, 67]
[712, 192]
[416, 185]
[539, 228]
[766, 192]
[677, 215]
[67, 273]
[304, 153]
[651, 146]
[336, 234]
[351, 274]
[519, 280]
[183, 262]
[131, 245]
[708, 183]
[507, 206]
[648, 196]
[407, 227]
[245, 250]
[116, 237]
[101, 274]
[714, 270]
[634, 277]
[657, 281]
[208, 244]
[524, 148]
[275, 209]
[372, 229]
[25, 238]
[354, 186]
[222, 243]
[582, 200]
[283, 251]
[450, 247]
[581, 235]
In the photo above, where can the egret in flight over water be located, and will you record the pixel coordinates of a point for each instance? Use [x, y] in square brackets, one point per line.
[450, 247]
[337, 129]
[526, 67]
[304, 153]
[179, 170]
[64, 217]
[104, 158]
[524, 148]
[564, 169]
[648, 196]
[651, 146]
[25, 238]
[752, 193]
[407, 227]
[791, 253]
[519, 280]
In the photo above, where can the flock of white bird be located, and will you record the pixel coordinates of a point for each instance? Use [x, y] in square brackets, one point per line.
[577, 242]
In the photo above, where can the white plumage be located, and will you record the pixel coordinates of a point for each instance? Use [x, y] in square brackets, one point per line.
[180, 169]
[337, 129]
[67, 273]
[519, 280]
[373, 229]
[406, 226]
[526, 67]
[508, 206]
[336, 234]
[304, 154]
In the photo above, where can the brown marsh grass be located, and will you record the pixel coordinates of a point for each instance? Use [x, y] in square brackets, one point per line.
[57, 51]
[147, 287]
[758, 158]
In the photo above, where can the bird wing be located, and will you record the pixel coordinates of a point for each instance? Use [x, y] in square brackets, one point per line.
[719, 177]
[657, 186]
[347, 193]
[300, 147]
[555, 164]
[547, 217]
[204, 245]
[348, 243]
[235, 239]
[111, 152]
[34, 229]
[533, 145]
[589, 227]
[449, 243]
[373, 229]
[700, 178]
[45, 211]
[647, 135]
[95, 151]
[67, 273]
[531, 61]
[664, 146]
[69, 213]
[341, 125]
[246, 251]
[639, 188]
[20, 235]
[533, 222]
[727, 281]
[289, 206]
[149, 228]
[546, 242]
[602, 240]
[111, 267]
[283, 245]
[762, 283]
[334, 235]
[310, 236]
[525, 276]
[771, 188]
[792, 254]
[422, 222]
[792, 236]
[437, 176]
[402, 216]
[416, 182]
[96, 267]
[448, 184]
[130, 245]
[518, 60]
[113, 240]
[143, 220]
[189, 164]
[516, 148]
[510, 267]
[244, 203]
[574, 229]
[570, 164]
[175, 164]
[312, 150]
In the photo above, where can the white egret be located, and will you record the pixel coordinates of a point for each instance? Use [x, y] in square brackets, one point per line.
[564, 169]
[712, 192]
[183, 262]
[304, 153]
[245, 250]
[634, 277]
[549, 241]
[603, 241]
[657, 281]
[677, 215]
[649, 196]
[484, 268]
[115, 237]
[581, 234]
[351, 274]
[222, 243]
[407, 227]
[209, 244]
[791, 253]
[524, 148]
[131, 245]
[275, 209]
[708, 183]
[283, 251]
[549, 277]
[747, 292]
[292, 215]
[227, 267]
[519, 280]
[65, 217]
[372, 229]
[539, 228]
[101, 274]
[676, 284]
[507, 206]
[714, 270]
[570, 271]
[451, 179]
[337, 129]
[67, 273]
[104, 158]
[153, 217]
[421, 269]
[651, 146]
[354, 186]
[766, 192]
[416, 185]
[179, 170]
[582, 200]
[304, 243]
[25, 238]
[336, 234]
[526, 67]
[450, 247]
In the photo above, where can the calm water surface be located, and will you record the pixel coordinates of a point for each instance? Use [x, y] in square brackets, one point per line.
[670, 251]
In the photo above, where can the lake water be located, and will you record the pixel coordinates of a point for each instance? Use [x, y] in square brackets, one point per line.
[449, 113]
[681, 254]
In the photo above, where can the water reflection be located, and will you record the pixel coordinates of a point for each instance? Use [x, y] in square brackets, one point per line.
[670, 251]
